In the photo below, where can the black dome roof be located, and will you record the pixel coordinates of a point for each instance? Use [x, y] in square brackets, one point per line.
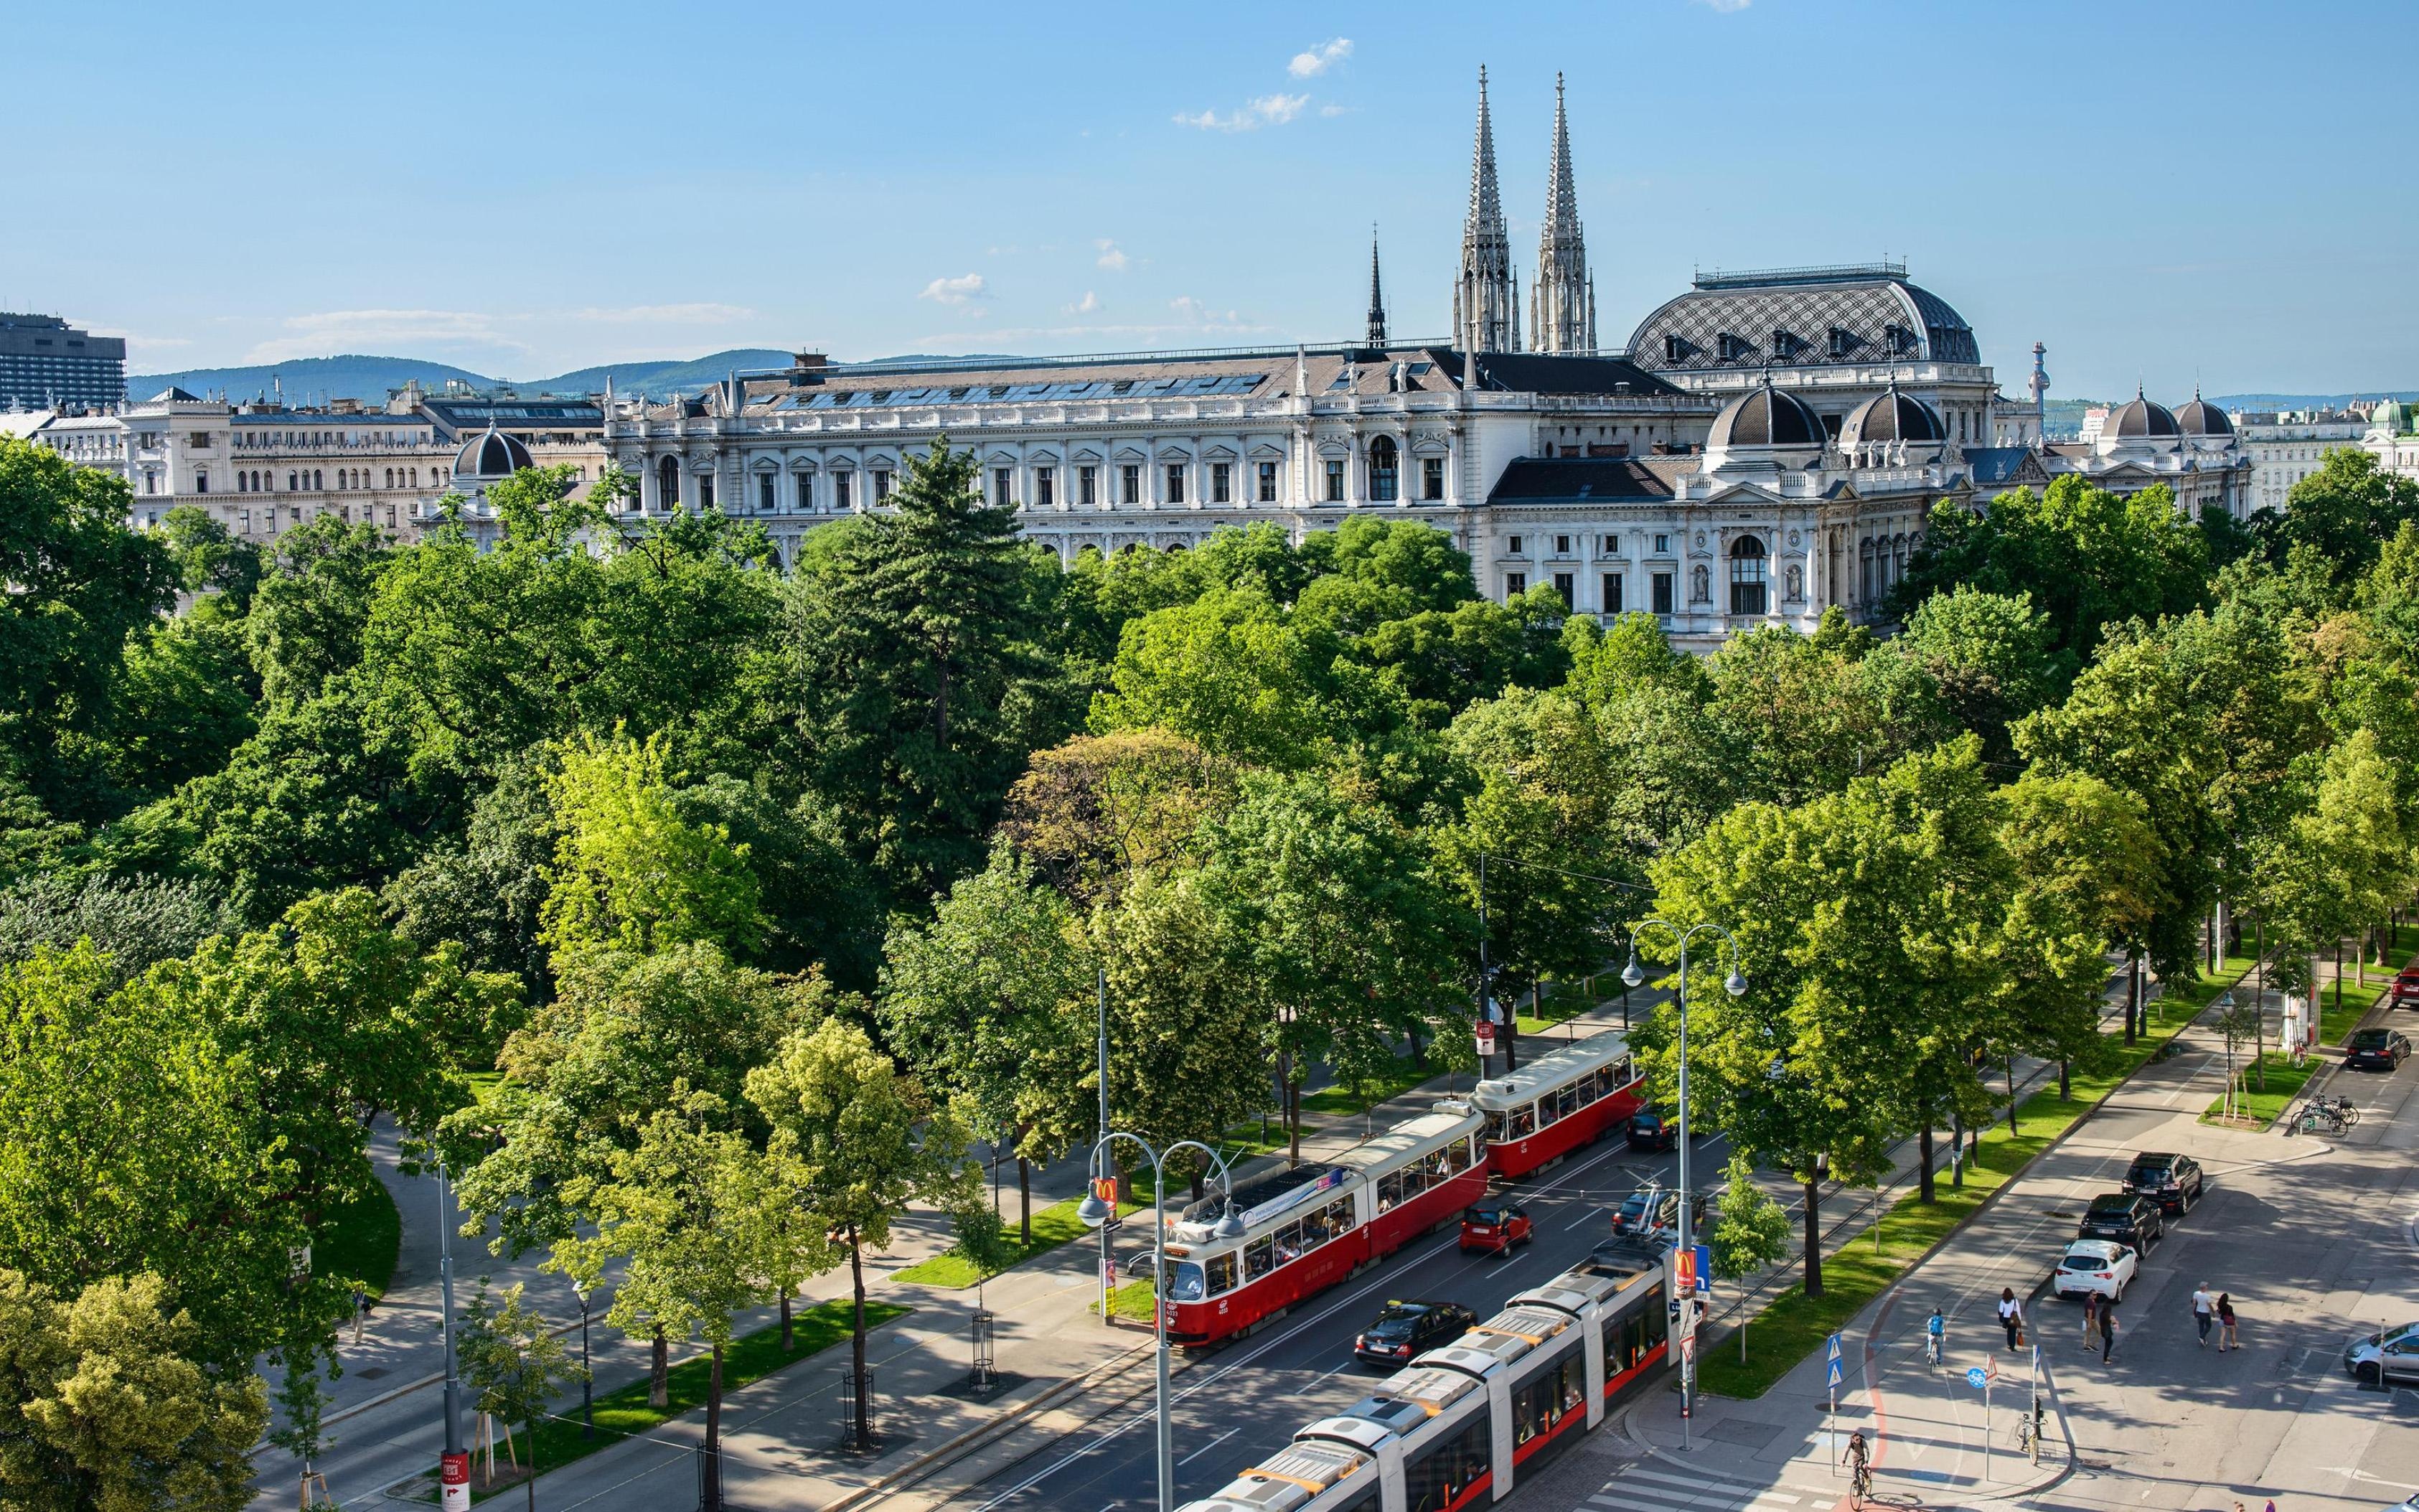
[1892, 416]
[1767, 416]
[491, 454]
[2141, 419]
[2201, 418]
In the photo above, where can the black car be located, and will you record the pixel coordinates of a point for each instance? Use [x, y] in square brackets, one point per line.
[1625, 1258]
[2129, 1219]
[1652, 1131]
[1654, 1212]
[1406, 1330]
[2383, 1049]
[2171, 1180]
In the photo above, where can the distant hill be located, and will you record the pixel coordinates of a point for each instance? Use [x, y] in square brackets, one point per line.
[317, 379]
[2304, 401]
[308, 379]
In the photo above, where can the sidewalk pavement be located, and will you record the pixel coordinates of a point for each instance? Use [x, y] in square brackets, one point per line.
[1928, 1430]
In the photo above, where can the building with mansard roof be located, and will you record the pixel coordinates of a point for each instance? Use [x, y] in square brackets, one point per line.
[1768, 447]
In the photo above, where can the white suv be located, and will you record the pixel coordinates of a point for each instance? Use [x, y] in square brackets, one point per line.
[2096, 1265]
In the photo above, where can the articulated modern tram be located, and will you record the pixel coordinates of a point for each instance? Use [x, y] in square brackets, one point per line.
[1461, 1424]
[1311, 1225]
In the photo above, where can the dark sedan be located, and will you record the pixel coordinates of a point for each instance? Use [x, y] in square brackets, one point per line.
[1652, 1131]
[2376, 1050]
[1408, 1329]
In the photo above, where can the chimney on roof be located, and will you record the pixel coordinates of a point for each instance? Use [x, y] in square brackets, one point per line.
[808, 367]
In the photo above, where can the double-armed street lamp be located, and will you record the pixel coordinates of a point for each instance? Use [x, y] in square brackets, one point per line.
[1098, 1210]
[1736, 984]
[587, 1377]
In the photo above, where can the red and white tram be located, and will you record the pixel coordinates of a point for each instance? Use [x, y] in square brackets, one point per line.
[1565, 1098]
[1306, 1228]
[1463, 1423]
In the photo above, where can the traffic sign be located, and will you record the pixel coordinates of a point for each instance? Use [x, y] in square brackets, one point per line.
[1832, 1379]
[1991, 1368]
[1831, 1349]
[1975, 1378]
[1705, 1267]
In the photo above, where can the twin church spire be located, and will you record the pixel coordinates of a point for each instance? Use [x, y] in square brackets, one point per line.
[1486, 293]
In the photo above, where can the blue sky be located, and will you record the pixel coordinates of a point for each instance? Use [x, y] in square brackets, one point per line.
[2160, 192]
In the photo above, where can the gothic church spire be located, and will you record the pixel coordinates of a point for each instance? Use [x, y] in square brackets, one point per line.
[1561, 302]
[1485, 312]
[1376, 298]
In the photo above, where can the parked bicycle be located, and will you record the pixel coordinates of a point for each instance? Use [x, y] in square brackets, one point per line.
[2342, 1107]
[2322, 1118]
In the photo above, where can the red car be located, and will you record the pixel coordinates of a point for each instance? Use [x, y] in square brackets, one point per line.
[1493, 1227]
[2406, 988]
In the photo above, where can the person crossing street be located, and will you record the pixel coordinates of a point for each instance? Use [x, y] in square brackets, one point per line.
[2011, 1316]
[2204, 1306]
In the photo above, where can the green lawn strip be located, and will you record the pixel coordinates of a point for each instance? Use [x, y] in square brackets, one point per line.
[1393, 1084]
[484, 1085]
[1793, 1324]
[359, 1239]
[624, 1412]
[2335, 1024]
[1053, 1225]
[1132, 1301]
[2282, 1081]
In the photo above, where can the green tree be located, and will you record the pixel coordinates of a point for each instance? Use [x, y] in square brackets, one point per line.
[484, 892]
[2344, 511]
[1749, 1230]
[817, 904]
[185, 701]
[302, 1401]
[629, 873]
[920, 679]
[1101, 814]
[114, 1404]
[515, 1367]
[1231, 673]
[136, 922]
[311, 608]
[977, 999]
[74, 584]
[1992, 657]
[855, 1145]
[210, 559]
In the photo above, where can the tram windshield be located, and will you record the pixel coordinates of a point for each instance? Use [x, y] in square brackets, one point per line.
[1183, 1281]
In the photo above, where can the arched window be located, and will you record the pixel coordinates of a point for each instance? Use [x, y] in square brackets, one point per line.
[319, 479]
[1385, 470]
[1865, 571]
[1749, 586]
[667, 483]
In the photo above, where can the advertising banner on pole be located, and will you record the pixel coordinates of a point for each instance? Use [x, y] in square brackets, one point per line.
[453, 1481]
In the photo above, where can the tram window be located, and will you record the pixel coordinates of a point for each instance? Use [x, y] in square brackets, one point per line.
[1522, 1124]
[1185, 1281]
[1495, 1125]
[1546, 1114]
[1624, 1072]
[1258, 1260]
[1590, 1086]
[1546, 1400]
[1450, 1467]
[1222, 1272]
[1413, 1179]
[1475, 1155]
[1567, 1102]
[1390, 1191]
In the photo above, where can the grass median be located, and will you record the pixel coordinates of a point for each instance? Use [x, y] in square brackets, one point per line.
[1793, 1325]
[624, 1413]
[1053, 1225]
[2274, 1083]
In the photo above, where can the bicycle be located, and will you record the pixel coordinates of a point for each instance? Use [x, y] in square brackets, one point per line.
[2322, 1121]
[1860, 1486]
[2342, 1108]
[2024, 1433]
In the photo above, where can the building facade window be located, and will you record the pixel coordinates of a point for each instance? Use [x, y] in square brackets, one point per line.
[1045, 488]
[1662, 589]
[668, 488]
[1609, 546]
[1563, 588]
[705, 493]
[1612, 592]
[1662, 546]
[1003, 488]
[1130, 483]
[881, 483]
[1750, 584]
[1335, 481]
[1562, 546]
[1431, 477]
[201, 480]
[1087, 486]
[1267, 483]
[1175, 482]
[766, 500]
[1516, 544]
[1515, 584]
[1385, 470]
[806, 492]
[842, 486]
[1221, 483]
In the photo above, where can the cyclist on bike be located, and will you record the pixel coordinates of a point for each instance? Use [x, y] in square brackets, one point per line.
[1936, 1336]
[1860, 1473]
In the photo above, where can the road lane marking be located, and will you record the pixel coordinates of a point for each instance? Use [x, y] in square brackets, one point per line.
[1206, 1447]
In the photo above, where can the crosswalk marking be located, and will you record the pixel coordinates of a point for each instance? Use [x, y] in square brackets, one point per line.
[1664, 1489]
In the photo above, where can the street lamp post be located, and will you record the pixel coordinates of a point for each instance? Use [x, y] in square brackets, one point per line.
[1095, 1212]
[454, 1471]
[587, 1378]
[1736, 985]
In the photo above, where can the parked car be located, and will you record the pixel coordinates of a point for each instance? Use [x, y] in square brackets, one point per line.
[2406, 987]
[1405, 1330]
[1495, 1226]
[1622, 1256]
[1652, 1131]
[1654, 1212]
[2391, 1355]
[2173, 1181]
[2130, 1220]
[2102, 1266]
[2376, 1049]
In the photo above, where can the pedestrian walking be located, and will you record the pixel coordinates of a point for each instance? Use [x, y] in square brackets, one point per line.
[2204, 1305]
[2227, 1338]
[361, 1312]
[2091, 1322]
[2012, 1315]
[2107, 1331]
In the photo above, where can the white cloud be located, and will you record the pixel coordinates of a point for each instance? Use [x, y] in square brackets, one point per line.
[1319, 59]
[1330, 112]
[686, 315]
[1269, 110]
[1727, 8]
[329, 331]
[1089, 305]
[957, 290]
[1112, 257]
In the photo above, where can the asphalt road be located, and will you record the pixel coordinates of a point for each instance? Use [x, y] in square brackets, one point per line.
[1239, 1402]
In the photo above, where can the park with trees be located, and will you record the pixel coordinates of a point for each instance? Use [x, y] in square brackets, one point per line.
[701, 915]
